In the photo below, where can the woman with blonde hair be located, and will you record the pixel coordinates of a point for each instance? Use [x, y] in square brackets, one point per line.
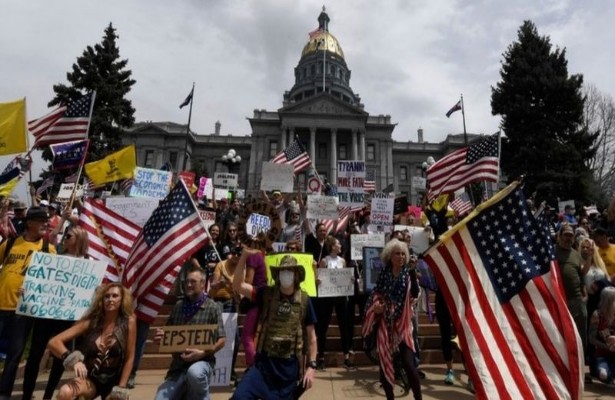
[595, 275]
[602, 336]
[109, 331]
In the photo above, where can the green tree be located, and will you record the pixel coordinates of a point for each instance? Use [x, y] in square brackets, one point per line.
[100, 68]
[542, 116]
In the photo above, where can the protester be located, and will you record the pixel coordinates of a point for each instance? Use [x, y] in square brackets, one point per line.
[15, 255]
[19, 217]
[389, 309]
[286, 318]
[231, 238]
[190, 371]
[211, 254]
[606, 250]
[109, 332]
[602, 337]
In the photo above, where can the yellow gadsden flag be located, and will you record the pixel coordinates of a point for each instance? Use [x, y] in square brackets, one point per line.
[116, 166]
[13, 131]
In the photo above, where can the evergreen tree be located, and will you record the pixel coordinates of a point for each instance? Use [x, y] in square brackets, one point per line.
[100, 68]
[542, 116]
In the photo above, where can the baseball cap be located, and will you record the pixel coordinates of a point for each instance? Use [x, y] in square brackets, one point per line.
[37, 213]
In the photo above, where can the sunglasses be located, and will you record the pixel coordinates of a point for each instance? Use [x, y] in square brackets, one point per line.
[232, 230]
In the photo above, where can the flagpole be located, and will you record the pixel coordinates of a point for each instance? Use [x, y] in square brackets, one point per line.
[79, 171]
[463, 114]
[188, 129]
[87, 131]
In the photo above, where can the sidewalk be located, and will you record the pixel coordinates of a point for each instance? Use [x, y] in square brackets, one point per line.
[336, 384]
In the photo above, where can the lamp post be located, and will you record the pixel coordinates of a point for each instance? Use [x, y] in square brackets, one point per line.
[424, 167]
[231, 159]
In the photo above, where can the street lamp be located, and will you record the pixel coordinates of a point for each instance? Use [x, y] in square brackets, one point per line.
[231, 159]
[427, 163]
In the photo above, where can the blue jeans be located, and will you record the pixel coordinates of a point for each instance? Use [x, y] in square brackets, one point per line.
[142, 330]
[192, 384]
[253, 386]
[18, 327]
[603, 362]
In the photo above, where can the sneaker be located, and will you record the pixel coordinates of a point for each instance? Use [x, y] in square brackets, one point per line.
[449, 378]
[131, 382]
[349, 365]
[320, 364]
[421, 374]
[602, 374]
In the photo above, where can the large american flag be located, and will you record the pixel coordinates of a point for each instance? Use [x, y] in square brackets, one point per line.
[498, 274]
[111, 236]
[462, 204]
[64, 124]
[295, 155]
[477, 162]
[173, 232]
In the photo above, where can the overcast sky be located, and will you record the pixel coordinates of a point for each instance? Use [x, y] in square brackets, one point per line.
[409, 59]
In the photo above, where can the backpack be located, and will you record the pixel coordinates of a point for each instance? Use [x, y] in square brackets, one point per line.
[11, 241]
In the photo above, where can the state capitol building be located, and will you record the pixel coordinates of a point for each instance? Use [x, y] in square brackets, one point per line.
[332, 124]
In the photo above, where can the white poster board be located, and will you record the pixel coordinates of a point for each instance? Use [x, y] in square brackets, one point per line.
[208, 217]
[136, 209]
[382, 209]
[322, 207]
[224, 357]
[335, 282]
[562, 205]
[420, 237]
[350, 177]
[419, 183]
[360, 240]
[257, 223]
[220, 194]
[150, 182]
[59, 287]
[66, 191]
[278, 177]
[225, 180]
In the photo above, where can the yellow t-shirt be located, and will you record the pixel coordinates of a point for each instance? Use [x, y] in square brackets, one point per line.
[14, 269]
[608, 256]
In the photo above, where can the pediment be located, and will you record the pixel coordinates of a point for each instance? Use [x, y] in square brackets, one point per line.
[323, 104]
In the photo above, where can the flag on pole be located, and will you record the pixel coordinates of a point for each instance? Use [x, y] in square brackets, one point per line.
[477, 162]
[47, 183]
[13, 133]
[173, 232]
[456, 107]
[369, 183]
[462, 204]
[188, 99]
[13, 173]
[314, 33]
[295, 155]
[69, 154]
[114, 167]
[65, 123]
[497, 269]
[71, 178]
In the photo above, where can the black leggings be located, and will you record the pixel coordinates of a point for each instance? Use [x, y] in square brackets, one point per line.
[407, 361]
[444, 322]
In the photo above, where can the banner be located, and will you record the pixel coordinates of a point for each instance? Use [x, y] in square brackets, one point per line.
[350, 177]
[305, 260]
[225, 180]
[224, 357]
[382, 209]
[178, 338]
[59, 287]
[136, 209]
[322, 207]
[420, 237]
[278, 177]
[257, 223]
[66, 191]
[116, 166]
[153, 183]
[69, 154]
[360, 240]
[335, 282]
[13, 132]
[188, 178]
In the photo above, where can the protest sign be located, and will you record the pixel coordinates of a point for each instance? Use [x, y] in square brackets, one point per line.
[420, 237]
[350, 177]
[335, 282]
[220, 194]
[322, 207]
[419, 183]
[59, 287]
[313, 185]
[208, 217]
[382, 209]
[224, 357]
[304, 259]
[358, 241]
[240, 193]
[278, 247]
[180, 337]
[278, 177]
[206, 187]
[225, 180]
[372, 265]
[66, 191]
[261, 208]
[136, 209]
[257, 223]
[415, 211]
[152, 183]
[188, 178]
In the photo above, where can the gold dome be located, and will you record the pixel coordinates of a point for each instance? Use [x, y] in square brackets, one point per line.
[332, 45]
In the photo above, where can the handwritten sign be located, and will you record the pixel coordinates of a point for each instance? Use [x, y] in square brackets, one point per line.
[188, 178]
[420, 237]
[225, 180]
[358, 241]
[208, 217]
[66, 191]
[206, 188]
[278, 247]
[224, 357]
[220, 194]
[257, 223]
[350, 177]
[59, 287]
[180, 337]
[335, 282]
[419, 183]
[373, 265]
[151, 183]
[322, 207]
[136, 209]
[278, 177]
[382, 209]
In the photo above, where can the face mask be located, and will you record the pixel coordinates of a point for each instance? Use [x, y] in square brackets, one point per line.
[287, 278]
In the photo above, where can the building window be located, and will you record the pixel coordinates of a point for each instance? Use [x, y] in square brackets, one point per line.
[342, 152]
[403, 173]
[371, 152]
[322, 150]
[173, 160]
[149, 159]
[273, 148]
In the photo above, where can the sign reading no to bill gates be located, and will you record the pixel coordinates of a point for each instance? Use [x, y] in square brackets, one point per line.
[59, 287]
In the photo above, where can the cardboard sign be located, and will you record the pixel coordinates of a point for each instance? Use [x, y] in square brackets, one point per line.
[208, 217]
[420, 237]
[335, 282]
[322, 207]
[180, 337]
[59, 287]
[188, 178]
[136, 209]
[360, 240]
[304, 259]
[224, 357]
[257, 223]
[66, 191]
[372, 265]
[225, 180]
[278, 177]
[350, 177]
[382, 209]
[151, 183]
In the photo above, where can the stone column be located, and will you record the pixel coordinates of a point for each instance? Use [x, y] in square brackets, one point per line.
[355, 149]
[283, 138]
[333, 178]
[313, 145]
[291, 135]
[362, 144]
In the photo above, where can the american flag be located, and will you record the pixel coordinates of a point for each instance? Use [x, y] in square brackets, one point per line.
[111, 236]
[71, 178]
[498, 270]
[47, 183]
[13, 173]
[294, 154]
[126, 185]
[369, 183]
[173, 232]
[456, 107]
[462, 204]
[63, 124]
[478, 162]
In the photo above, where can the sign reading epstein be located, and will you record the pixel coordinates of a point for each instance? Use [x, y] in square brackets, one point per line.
[152, 183]
[59, 287]
[350, 177]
